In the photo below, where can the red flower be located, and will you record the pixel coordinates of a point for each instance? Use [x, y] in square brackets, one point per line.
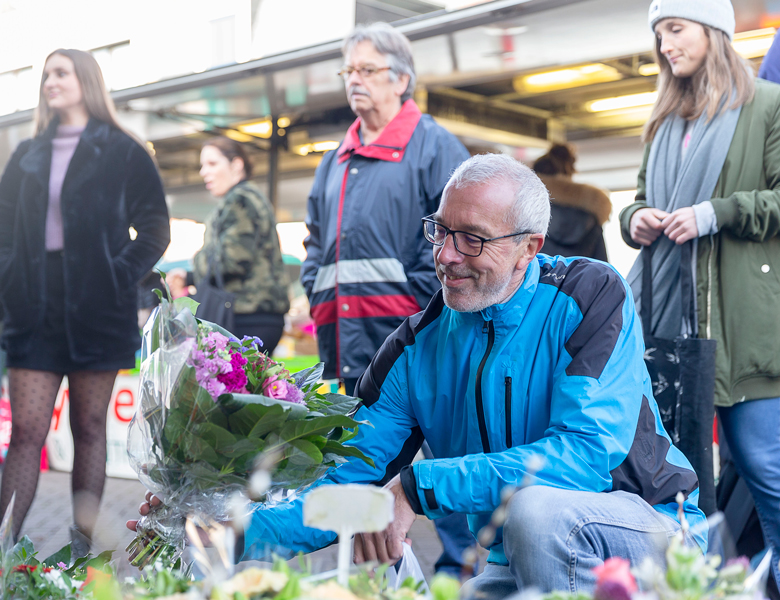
[615, 571]
[24, 568]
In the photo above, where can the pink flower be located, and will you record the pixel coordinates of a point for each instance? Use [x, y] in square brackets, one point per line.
[281, 389]
[614, 580]
[215, 341]
[273, 387]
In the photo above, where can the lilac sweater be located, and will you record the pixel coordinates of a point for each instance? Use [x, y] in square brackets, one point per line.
[63, 146]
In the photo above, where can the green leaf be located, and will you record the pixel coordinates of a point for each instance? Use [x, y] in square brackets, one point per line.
[337, 448]
[60, 556]
[306, 451]
[215, 436]
[339, 404]
[233, 402]
[271, 421]
[308, 376]
[186, 302]
[293, 430]
[196, 449]
[242, 421]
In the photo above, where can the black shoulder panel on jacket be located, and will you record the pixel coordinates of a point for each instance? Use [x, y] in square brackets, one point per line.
[645, 470]
[599, 294]
[370, 383]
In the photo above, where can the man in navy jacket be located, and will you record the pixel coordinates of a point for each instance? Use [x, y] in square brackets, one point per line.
[367, 267]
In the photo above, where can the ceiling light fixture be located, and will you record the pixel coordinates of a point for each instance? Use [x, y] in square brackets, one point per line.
[560, 79]
[622, 102]
[260, 129]
[755, 43]
[649, 69]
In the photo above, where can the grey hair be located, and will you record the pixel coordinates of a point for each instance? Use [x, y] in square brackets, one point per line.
[531, 210]
[392, 44]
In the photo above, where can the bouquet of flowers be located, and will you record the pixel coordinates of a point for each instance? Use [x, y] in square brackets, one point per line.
[215, 412]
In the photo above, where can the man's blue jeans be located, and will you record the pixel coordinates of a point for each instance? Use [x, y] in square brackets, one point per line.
[554, 538]
[752, 431]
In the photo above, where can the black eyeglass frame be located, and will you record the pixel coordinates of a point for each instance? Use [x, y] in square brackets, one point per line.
[345, 71]
[449, 231]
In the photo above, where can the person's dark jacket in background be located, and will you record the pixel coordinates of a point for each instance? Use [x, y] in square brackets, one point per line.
[111, 184]
[770, 67]
[578, 213]
[368, 265]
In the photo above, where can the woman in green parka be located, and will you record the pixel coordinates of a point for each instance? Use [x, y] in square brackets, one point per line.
[711, 177]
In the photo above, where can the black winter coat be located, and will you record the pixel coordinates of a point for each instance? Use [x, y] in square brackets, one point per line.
[111, 184]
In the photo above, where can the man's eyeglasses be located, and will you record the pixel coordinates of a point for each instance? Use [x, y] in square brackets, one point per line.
[466, 243]
[366, 72]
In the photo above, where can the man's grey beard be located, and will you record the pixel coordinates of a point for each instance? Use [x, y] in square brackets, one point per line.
[477, 299]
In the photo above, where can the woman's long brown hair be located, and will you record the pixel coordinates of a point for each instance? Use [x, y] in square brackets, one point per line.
[98, 103]
[724, 73]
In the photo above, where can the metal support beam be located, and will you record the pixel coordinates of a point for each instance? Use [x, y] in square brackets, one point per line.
[458, 106]
[273, 163]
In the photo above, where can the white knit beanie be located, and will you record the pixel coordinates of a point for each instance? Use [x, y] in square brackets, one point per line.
[718, 14]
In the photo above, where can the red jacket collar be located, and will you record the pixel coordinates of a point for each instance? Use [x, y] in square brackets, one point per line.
[391, 143]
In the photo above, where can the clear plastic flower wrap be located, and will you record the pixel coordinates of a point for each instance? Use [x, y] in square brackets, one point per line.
[212, 411]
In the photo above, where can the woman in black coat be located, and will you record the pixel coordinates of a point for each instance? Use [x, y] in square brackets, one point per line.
[68, 270]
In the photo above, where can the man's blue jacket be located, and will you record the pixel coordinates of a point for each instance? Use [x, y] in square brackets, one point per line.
[556, 372]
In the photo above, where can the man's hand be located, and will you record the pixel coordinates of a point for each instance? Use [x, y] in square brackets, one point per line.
[646, 225]
[151, 501]
[387, 546]
[680, 226]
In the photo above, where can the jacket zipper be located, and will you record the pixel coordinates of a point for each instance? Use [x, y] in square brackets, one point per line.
[487, 327]
[508, 410]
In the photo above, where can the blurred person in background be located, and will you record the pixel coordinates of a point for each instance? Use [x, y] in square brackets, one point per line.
[68, 275]
[711, 177]
[241, 238]
[177, 282]
[367, 266]
[578, 211]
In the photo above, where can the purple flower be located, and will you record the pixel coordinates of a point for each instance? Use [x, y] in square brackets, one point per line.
[742, 561]
[611, 590]
[215, 341]
[235, 380]
[256, 341]
[62, 565]
[293, 393]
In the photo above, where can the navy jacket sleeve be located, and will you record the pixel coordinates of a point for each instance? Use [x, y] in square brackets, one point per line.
[439, 161]
[313, 242]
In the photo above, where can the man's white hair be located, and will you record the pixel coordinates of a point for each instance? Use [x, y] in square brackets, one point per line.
[531, 210]
[392, 44]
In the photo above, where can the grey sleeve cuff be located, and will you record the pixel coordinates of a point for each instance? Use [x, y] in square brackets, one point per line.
[706, 222]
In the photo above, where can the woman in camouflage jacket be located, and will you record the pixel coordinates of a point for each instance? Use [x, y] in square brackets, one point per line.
[241, 238]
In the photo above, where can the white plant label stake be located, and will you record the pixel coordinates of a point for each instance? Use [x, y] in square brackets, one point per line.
[347, 510]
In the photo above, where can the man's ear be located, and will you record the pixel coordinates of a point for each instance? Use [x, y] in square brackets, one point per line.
[401, 84]
[531, 249]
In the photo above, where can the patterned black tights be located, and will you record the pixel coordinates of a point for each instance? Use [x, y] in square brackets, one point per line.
[32, 395]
